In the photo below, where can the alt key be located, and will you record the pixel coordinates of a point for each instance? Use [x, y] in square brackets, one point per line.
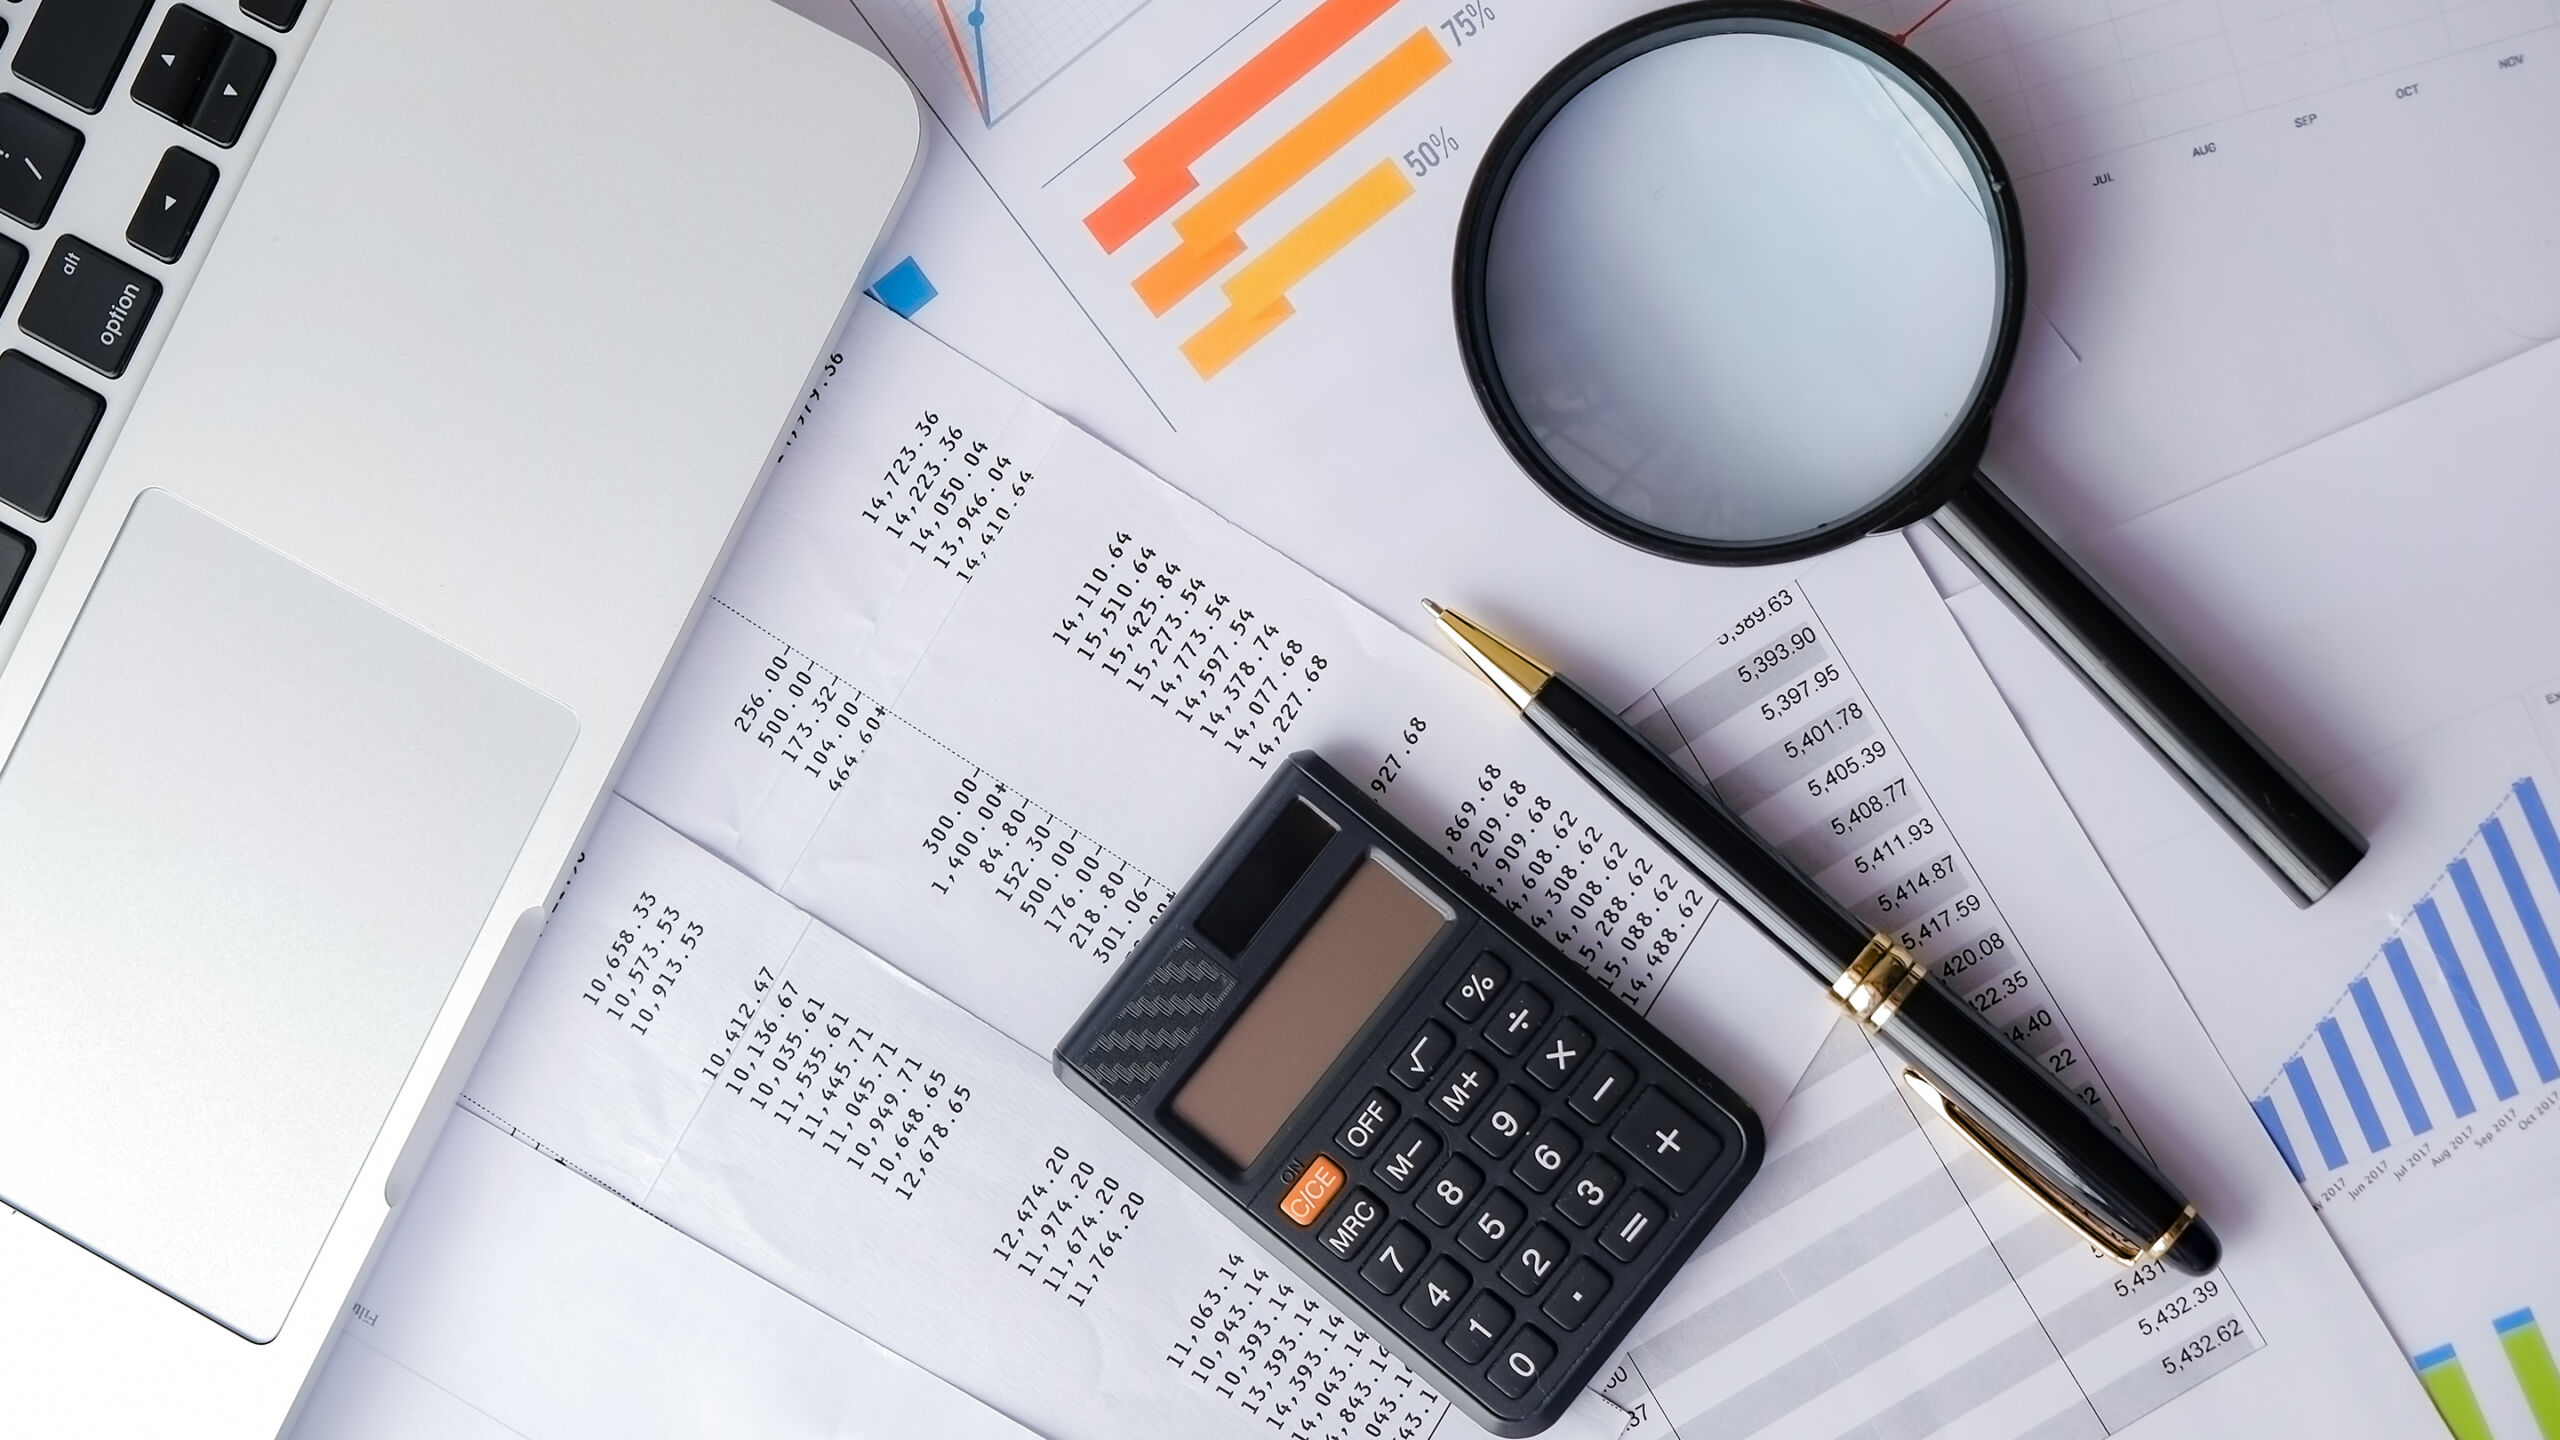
[90, 305]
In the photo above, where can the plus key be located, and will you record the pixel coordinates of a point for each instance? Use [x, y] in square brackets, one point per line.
[1667, 1140]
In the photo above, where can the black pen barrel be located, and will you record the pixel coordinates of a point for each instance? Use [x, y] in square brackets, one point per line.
[1818, 930]
[2056, 1144]
[2061, 1136]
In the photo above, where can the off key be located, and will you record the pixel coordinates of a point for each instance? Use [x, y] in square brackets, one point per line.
[90, 306]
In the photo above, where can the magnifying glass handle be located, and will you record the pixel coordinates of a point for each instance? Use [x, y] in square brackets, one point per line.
[2257, 797]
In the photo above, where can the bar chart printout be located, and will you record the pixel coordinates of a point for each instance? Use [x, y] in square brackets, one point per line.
[2529, 1364]
[1005, 50]
[2445, 1042]
[1186, 194]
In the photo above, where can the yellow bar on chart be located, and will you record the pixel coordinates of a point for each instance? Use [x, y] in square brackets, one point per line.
[1207, 230]
[1258, 296]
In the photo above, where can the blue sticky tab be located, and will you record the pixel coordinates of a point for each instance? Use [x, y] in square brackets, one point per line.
[904, 289]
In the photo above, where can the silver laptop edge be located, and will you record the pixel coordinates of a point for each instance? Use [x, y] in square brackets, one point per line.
[492, 345]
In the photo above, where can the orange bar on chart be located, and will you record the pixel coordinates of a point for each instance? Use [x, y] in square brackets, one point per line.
[1258, 296]
[1208, 229]
[1160, 168]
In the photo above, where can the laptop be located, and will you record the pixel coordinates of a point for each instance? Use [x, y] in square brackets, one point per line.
[381, 385]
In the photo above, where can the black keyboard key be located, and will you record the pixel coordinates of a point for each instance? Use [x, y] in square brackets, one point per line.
[1441, 1288]
[175, 65]
[1583, 1288]
[45, 424]
[13, 263]
[89, 305]
[1517, 1020]
[1352, 1220]
[17, 552]
[1395, 1260]
[36, 152]
[1604, 1086]
[171, 205]
[1668, 1140]
[1459, 1090]
[1631, 1229]
[1559, 1053]
[1535, 1260]
[1483, 982]
[1421, 1056]
[1450, 1190]
[1413, 1152]
[1593, 1187]
[1542, 1164]
[73, 48]
[1482, 1324]
[1502, 1126]
[1492, 1225]
[1523, 1360]
[232, 90]
[274, 14]
[1367, 1125]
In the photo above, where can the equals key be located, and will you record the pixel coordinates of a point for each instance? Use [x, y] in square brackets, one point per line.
[90, 306]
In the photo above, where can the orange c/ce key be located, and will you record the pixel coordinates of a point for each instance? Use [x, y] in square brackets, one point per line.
[1315, 1189]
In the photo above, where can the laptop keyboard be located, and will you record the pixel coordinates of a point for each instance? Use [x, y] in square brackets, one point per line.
[83, 299]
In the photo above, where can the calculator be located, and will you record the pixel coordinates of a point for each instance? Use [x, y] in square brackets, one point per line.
[1436, 1120]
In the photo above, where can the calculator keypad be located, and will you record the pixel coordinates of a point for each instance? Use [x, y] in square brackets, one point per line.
[1512, 1160]
[1416, 1145]
[1518, 1019]
[1504, 1122]
[1422, 1055]
[1456, 1095]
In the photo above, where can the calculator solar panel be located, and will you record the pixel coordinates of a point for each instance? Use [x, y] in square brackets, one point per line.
[1431, 1116]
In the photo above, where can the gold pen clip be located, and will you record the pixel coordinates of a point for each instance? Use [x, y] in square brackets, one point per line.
[2097, 1232]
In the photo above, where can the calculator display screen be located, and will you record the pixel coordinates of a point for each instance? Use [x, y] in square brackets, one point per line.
[1319, 994]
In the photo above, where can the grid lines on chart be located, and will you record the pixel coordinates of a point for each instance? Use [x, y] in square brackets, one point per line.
[1006, 50]
[2057, 82]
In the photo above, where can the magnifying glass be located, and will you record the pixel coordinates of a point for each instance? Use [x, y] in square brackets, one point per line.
[1741, 282]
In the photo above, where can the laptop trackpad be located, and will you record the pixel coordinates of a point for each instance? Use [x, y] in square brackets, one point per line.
[246, 840]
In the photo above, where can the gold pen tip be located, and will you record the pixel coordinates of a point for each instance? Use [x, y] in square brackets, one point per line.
[1517, 676]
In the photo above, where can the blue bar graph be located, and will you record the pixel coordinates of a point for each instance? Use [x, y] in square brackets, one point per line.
[2422, 1012]
[2528, 909]
[2323, 1134]
[2466, 1001]
[2502, 967]
[2274, 1122]
[2331, 1078]
[2359, 1100]
[2404, 1087]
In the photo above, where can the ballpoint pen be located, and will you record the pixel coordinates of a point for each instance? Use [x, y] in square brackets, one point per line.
[2031, 1129]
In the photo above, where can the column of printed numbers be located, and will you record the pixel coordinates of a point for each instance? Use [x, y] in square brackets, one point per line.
[1259, 1339]
[809, 718]
[1070, 1225]
[642, 962]
[1208, 659]
[789, 1055]
[947, 494]
[1810, 759]
[1002, 842]
[1616, 907]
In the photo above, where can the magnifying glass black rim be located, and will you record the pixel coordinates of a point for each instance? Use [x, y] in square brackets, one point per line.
[1935, 478]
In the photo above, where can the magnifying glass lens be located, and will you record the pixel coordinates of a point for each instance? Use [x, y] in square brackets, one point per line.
[1743, 287]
